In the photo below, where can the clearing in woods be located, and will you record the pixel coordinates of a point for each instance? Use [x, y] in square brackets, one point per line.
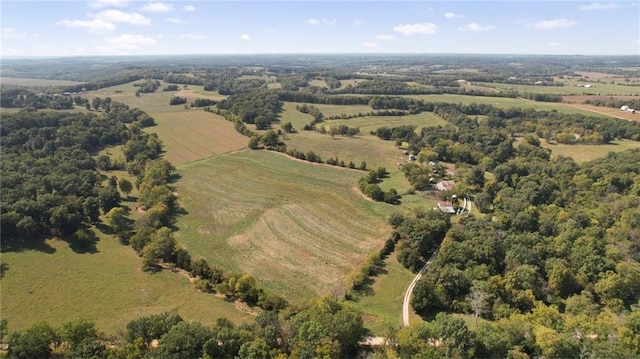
[584, 153]
[298, 227]
[109, 287]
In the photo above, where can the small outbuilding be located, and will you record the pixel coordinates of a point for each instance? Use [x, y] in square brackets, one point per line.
[446, 207]
[445, 185]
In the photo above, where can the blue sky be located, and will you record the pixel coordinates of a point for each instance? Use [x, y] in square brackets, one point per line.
[121, 27]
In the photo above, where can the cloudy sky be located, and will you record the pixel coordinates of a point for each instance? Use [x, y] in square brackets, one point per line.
[134, 27]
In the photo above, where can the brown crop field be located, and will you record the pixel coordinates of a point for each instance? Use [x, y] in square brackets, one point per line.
[299, 228]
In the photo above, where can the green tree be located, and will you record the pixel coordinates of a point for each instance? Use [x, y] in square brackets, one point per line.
[125, 186]
[161, 248]
[184, 340]
[34, 342]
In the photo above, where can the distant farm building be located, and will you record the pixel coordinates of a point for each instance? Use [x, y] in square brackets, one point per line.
[446, 207]
[445, 185]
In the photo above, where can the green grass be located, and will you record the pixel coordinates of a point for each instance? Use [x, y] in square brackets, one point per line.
[299, 228]
[374, 151]
[584, 153]
[371, 123]
[505, 102]
[382, 307]
[187, 134]
[107, 287]
[570, 88]
[190, 135]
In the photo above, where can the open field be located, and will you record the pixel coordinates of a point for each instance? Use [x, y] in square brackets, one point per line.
[23, 81]
[371, 123]
[195, 134]
[187, 134]
[505, 102]
[382, 306]
[368, 148]
[584, 153]
[609, 111]
[299, 228]
[571, 87]
[109, 287]
[339, 110]
[581, 99]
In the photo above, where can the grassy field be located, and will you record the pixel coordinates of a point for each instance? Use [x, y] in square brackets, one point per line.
[108, 287]
[382, 305]
[571, 87]
[297, 227]
[374, 151]
[371, 123]
[187, 134]
[505, 102]
[584, 153]
[191, 135]
[23, 81]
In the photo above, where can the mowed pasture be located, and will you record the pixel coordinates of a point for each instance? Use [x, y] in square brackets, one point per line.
[506, 103]
[381, 303]
[584, 153]
[195, 134]
[374, 151]
[188, 134]
[371, 123]
[571, 87]
[298, 227]
[109, 287]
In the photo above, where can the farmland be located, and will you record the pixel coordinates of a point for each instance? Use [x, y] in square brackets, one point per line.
[254, 217]
[54, 283]
[252, 212]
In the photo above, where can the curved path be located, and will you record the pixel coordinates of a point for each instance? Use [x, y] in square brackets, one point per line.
[407, 295]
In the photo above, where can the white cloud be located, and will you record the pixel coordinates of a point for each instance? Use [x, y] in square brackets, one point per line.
[175, 20]
[553, 24]
[120, 16]
[189, 8]
[12, 33]
[452, 15]
[599, 6]
[157, 7]
[97, 4]
[193, 37]
[129, 42]
[555, 44]
[472, 26]
[312, 21]
[245, 37]
[96, 25]
[385, 37]
[369, 45]
[421, 28]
